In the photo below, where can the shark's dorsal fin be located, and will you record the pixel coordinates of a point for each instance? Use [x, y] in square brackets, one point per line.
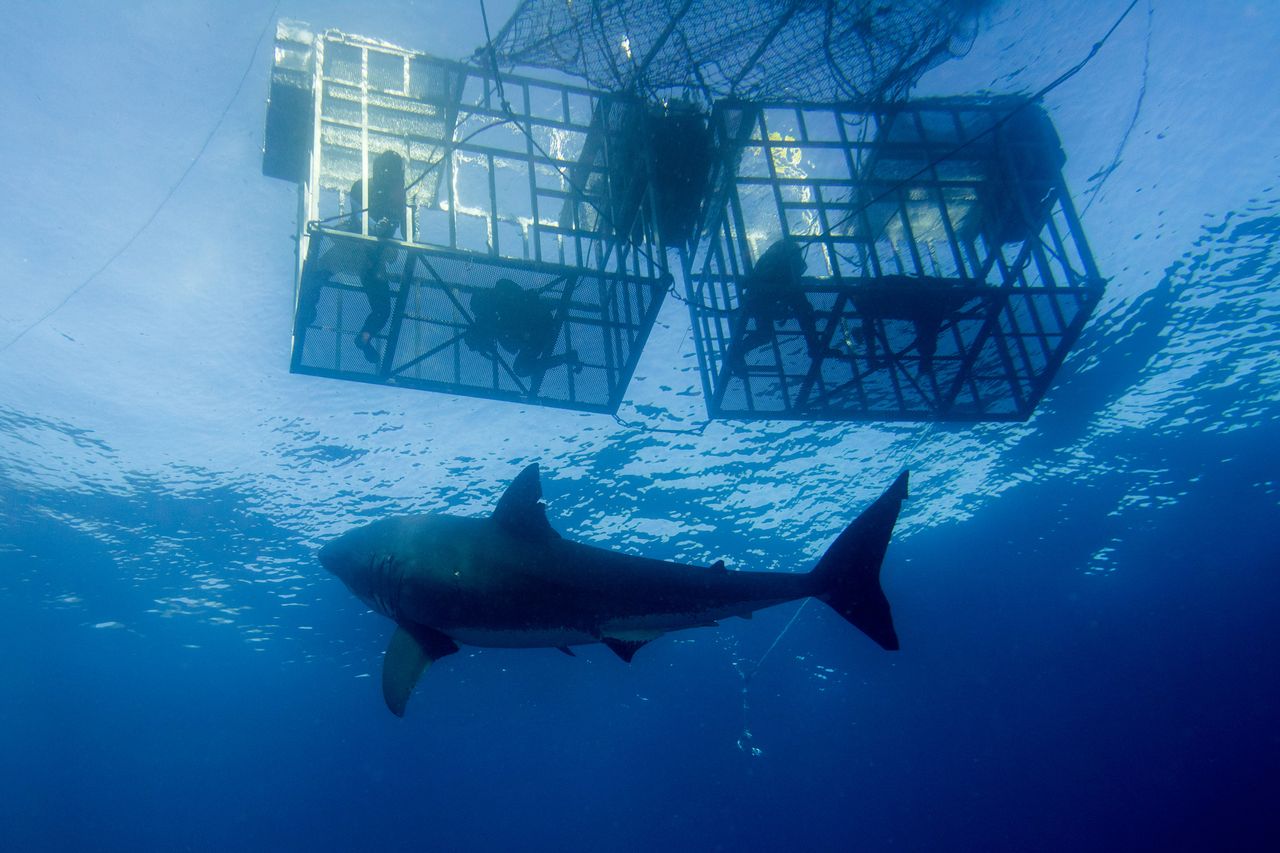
[408, 655]
[718, 566]
[625, 649]
[521, 511]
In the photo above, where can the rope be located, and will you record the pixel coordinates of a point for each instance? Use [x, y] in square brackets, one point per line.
[173, 189]
[1103, 174]
[493, 58]
[1037, 97]
[747, 674]
[578, 191]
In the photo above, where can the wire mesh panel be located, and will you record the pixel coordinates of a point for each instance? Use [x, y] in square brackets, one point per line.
[468, 234]
[901, 262]
[817, 50]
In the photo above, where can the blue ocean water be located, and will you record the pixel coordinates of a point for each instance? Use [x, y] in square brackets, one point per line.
[1086, 601]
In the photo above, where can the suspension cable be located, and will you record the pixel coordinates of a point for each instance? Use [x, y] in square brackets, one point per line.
[1000, 122]
[168, 196]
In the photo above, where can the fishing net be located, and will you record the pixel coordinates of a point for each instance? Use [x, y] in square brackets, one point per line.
[807, 50]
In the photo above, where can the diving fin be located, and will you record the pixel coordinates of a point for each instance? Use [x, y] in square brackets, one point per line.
[408, 655]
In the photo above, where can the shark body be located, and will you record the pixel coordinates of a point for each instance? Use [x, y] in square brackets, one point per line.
[510, 581]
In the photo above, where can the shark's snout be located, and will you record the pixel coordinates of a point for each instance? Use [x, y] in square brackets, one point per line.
[339, 555]
[366, 562]
[329, 555]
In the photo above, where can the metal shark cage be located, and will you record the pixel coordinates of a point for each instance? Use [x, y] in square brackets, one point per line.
[458, 233]
[909, 261]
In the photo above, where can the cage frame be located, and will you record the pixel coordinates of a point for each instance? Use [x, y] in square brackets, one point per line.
[721, 257]
[564, 220]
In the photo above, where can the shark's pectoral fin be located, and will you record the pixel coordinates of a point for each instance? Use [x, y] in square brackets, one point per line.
[409, 654]
[625, 649]
[568, 651]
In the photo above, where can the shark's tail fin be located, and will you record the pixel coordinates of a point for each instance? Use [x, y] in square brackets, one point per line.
[848, 575]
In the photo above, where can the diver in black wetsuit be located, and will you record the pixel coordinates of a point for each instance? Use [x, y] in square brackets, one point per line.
[386, 218]
[519, 322]
[772, 292]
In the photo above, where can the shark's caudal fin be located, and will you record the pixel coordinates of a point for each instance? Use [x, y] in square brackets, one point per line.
[848, 575]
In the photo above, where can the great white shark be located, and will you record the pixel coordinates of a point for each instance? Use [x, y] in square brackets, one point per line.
[510, 581]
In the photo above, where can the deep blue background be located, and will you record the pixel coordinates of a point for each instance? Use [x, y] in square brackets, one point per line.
[1032, 707]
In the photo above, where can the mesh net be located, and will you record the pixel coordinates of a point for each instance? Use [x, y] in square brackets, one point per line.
[809, 50]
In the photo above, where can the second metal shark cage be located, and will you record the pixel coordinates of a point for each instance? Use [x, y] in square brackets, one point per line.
[521, 262]
[942, 272]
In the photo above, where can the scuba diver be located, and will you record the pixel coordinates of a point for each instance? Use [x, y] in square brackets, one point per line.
[770, 293]
[519, 322]
[386, 215]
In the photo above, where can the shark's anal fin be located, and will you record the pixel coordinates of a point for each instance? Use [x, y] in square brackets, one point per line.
[625, 649]
[568, 651]
[408, 655]
[520, 510]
